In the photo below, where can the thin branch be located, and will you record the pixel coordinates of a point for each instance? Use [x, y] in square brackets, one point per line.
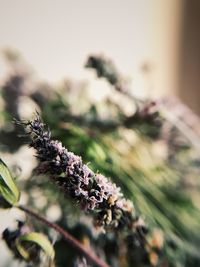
[69, 238]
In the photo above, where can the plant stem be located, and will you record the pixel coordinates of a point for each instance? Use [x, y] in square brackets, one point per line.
[69, 238]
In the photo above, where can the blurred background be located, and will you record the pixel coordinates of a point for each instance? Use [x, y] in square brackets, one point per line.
[55, 38]
[151, 48]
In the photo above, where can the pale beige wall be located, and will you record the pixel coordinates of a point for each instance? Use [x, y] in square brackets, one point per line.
[56, 36]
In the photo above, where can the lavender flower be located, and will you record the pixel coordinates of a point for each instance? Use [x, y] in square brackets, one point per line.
[95, 193]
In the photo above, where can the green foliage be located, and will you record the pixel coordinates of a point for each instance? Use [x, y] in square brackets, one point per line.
[36, 238]
[8, 188]
[27, 246]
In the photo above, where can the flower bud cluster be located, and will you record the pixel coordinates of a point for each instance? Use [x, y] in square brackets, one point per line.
[95, 193]
[104, 68]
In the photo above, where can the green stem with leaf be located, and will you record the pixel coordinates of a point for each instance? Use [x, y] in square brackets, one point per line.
[88, 253]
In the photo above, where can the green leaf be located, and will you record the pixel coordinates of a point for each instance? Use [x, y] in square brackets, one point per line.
[8, 188]
[40, 239]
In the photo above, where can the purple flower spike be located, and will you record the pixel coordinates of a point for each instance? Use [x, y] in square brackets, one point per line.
[95, 193]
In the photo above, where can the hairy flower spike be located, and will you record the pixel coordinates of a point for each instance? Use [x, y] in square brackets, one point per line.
[95, 193]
